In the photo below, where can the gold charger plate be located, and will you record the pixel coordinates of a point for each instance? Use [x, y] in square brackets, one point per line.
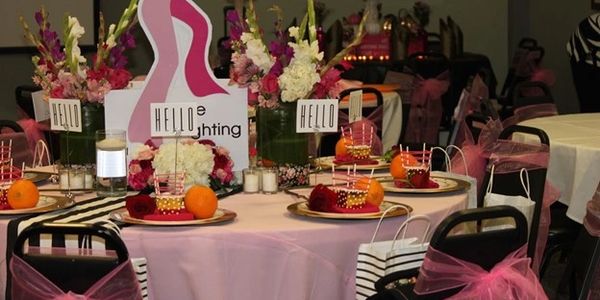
[45, 204]
[36, 177]
[446, 184]
[221, 215]
[327, 161]
[301, 209]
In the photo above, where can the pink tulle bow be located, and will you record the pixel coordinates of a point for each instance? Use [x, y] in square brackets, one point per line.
[546, 76]
[512, 278]
[426, 108]
[28, 284]
[591, 221]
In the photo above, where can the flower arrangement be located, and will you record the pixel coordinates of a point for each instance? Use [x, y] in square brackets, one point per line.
[202, 161]
[65, 74]
[291, 67]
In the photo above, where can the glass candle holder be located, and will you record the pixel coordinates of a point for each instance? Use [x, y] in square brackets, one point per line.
[111, 163]
[70, 177]
[269, 181]
[251, 180]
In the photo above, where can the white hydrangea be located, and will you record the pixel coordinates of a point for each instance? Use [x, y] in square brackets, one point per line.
[195, 159]
[257, 52]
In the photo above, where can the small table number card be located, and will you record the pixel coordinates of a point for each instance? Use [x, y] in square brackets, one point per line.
[317, 115]
[173, 119]
[65, 114]
[355, 106]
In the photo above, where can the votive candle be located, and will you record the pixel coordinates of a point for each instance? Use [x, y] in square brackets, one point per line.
[269, 181]
[251, 181]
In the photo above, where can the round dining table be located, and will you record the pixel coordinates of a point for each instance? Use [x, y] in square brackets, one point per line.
[266, 252]
[574, 166]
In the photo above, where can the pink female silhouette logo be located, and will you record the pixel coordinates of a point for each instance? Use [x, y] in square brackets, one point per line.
[156, 17]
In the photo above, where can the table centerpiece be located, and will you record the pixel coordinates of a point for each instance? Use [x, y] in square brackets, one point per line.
[62, 72]
[290, 68]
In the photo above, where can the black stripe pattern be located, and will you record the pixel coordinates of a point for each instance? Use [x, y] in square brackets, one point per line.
[584, 44]
[378, 259]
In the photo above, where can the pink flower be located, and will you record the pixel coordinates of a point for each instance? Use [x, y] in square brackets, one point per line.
[134, 167]
[119, 78]
[269, 84]
[243, 69]
[57, 92]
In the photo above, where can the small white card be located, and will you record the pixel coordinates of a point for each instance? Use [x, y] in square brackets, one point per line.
[65, 114]
[173, 119]
[41, 110]
[355, 106]
[319, 115]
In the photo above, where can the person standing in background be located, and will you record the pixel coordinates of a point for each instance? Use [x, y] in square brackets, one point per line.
[584, 49]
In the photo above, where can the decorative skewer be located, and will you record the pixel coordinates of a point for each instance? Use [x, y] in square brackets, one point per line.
[333, 174]
[423, 155]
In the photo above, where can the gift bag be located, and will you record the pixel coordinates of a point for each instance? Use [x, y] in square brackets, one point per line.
[472, 191]
[372, 260]
[524, 204]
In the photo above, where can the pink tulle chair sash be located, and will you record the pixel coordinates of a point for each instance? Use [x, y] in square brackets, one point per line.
[33, 130]
[530, 112]
[512, 278]
[591, 222]
[426, 108]
[29, 284]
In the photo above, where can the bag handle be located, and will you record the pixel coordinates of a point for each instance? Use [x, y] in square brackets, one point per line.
[404, 227]
[491, 181]
[41, 150]
[385, 213]
[446, 158]
[462, 154]
[525, 183]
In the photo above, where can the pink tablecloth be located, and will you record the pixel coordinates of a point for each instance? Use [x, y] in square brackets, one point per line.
[265, 253]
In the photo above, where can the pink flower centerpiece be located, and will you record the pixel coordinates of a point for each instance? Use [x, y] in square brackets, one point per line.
[61, 70]
[202, 161]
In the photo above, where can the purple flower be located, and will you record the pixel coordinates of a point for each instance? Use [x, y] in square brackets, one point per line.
[39, 18]
[236, 27]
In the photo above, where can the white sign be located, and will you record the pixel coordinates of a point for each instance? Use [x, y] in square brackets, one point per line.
[174, 119]
[355, 106]
[65, 114]
[220, 118]
[320, 115]
[41, 110]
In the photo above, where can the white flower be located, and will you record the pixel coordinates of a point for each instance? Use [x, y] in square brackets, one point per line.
[294, 32]
[257, 52]
[194, 159]
[77, 30]
[110, 42]
[297, 80]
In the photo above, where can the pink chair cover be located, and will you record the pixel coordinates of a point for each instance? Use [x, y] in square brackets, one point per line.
[470, 104]
[509, 156]
[512, 278]
[426, 109]
[29, 284]
[33, 130]
[591, 222]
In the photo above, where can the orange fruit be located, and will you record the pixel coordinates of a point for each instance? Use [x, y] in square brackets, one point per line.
[340, 147]
[201, 201]
[397, 169]
[23, 194]
[375, 193]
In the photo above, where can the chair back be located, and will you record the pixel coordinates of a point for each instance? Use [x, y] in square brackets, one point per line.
[475, 121]
[24, 100]
[68, 271]
[509, 182]
[428, 64]
[531, 93]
